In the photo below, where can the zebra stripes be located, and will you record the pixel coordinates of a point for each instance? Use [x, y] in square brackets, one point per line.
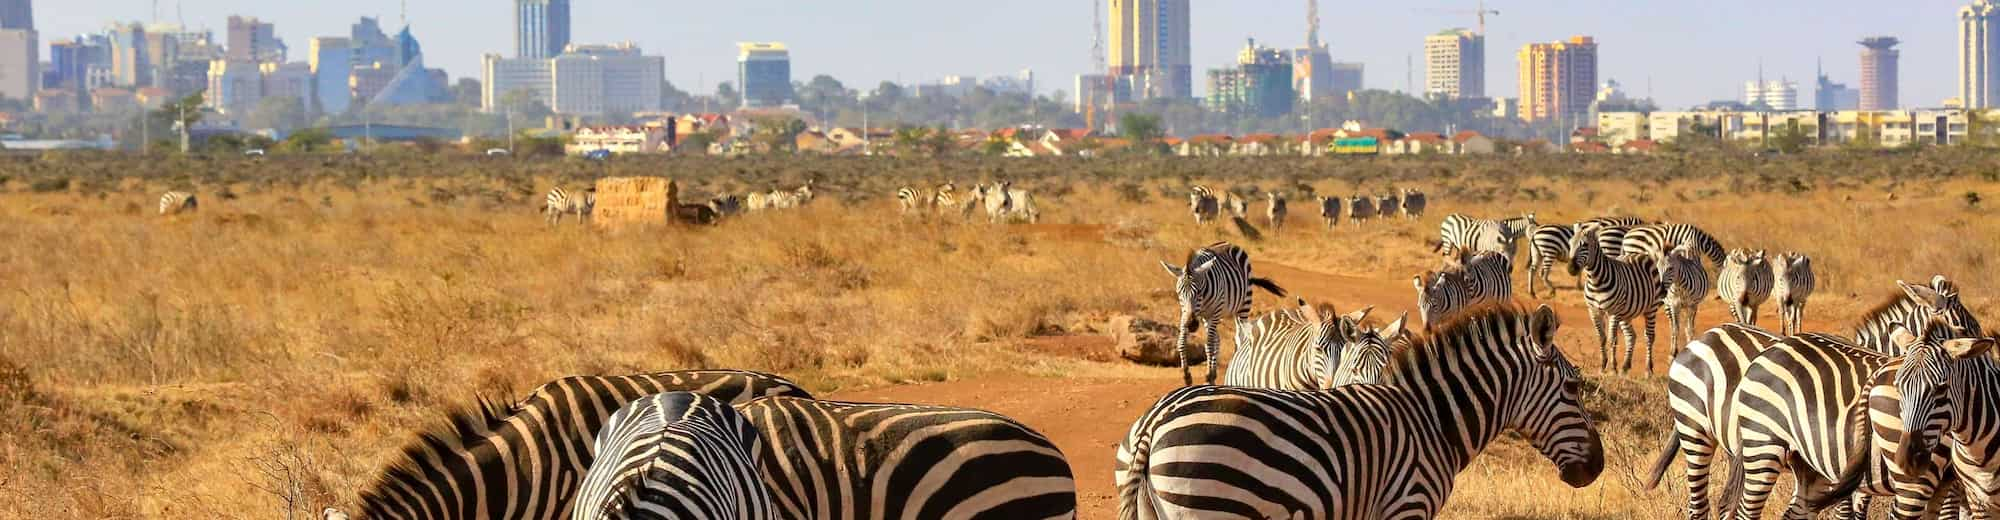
[1655, 240]
[911, 200]
[675, 455]
[1329, 210]
[1275, 211]
[1687, 284]
[1203, 204]
[560, 201]
[945, 198]
[1912, 311]
[177, 202]
[1791, 285]
[1546, 246]
[1617, 291]
[1798, 410]
[1413, 203]
[1949, 385]
[836, 460]
[1700, 385]
[1004, 202]
[1390, 450]
[525, 460]
[1485, 278]
[1462, 235]
[1299, 349]
[1214, 283]
[1745, 282]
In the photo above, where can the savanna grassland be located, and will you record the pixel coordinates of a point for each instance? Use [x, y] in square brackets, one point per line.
[268, 353]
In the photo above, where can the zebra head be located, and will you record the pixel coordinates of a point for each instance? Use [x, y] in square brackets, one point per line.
[1940, 298]
[1549, 411]
[1671, 265]
[1187, 281]
[1366, 353]
[1938, 372]
[1583, 249]
[1433, 300]
[1329, 207]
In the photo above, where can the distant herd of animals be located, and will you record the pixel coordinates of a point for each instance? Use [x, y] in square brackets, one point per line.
[1319, 414]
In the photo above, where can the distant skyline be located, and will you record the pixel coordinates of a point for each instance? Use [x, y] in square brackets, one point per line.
[1690, 52]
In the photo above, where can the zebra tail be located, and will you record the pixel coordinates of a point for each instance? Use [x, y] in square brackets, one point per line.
[1732, 489]
[1666, 459]
[1135, 493]
[1268, 286]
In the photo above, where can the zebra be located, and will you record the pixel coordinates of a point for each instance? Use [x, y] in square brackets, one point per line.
[1745, 282]
[1360, 208]
[945, 198]
[1275, 211]
[675, 455]
[1413, 204]
[726, 206]
[1461, 235]
[1238, 208]
[1917, 305]
[1791, 284]
[1686, 284]
[1005, 202]
[1203, 204]
[562, 201]
[832, 460]
[1617, 291]
[177, 202]
[1655, 240]
[757, 201]
[1701, 382]
[796, 198]
[1389, 205]
[1364, 451]
[1621, 222]
[1949, 385]
[1214, 282]
[1329, 210]
[1547, 245]
[1485, 278]
[1300, 350]
[912, 200]
[524, 460]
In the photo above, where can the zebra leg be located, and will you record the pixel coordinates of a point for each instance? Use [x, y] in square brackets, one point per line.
[1652, 321]
[1214, 349]
[1673, 332]
[1699, 453]
[1180, 350]
[1760, 467]
[1625, 337]
[1603, 342]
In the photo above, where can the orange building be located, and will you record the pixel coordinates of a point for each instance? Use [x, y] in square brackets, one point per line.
[1558, 80]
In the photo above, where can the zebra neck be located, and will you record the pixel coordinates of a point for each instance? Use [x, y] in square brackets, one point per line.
[1467, 414]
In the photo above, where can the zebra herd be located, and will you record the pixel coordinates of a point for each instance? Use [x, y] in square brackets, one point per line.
[720, 444]
[1207, 206]
[560, 202]
[1001, 201]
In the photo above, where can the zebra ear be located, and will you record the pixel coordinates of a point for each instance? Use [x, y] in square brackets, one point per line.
[1418, 281]
[1176, 271]
[1395, 328]
[1965, 348]
[1543, 324]
[1923, 295]
[1358, 315]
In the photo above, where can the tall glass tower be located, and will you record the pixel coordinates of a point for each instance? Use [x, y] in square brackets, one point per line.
[541, 28]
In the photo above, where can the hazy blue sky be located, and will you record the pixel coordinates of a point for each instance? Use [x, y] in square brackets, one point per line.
[1690, 51]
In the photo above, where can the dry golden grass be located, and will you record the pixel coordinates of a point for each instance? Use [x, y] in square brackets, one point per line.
[268, 353]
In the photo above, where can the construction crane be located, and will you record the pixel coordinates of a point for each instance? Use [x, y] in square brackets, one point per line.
[1097, 61]
[1481, 12]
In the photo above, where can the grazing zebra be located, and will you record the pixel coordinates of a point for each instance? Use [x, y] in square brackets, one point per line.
[1389, 205]
[1301, 350]
[1329, 210]
[1388, 450]
[726, 206]
[1203, 204]
[945, 198]
[177, 202]
[1485, 278]
[1360, 209]
[1791, 284]
[1745, 282]
[1413, 204]
[1655, 240]
[1621, 222]
[757, 201]
[1275, 212]
[1462, 235]
[1687, 284]
[524, 460]
[1005, 202]
[1701, 383]
[1548, 245]
[912, 200]
[1915, 308]
[834, 460]
[1214, 283]
[562, 201]
[675, 455]
[1617, 291]
[781, 199]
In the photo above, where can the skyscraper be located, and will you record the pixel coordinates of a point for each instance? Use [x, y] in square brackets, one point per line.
[1878, 73]
[541, 28]
[1150, 49]
[332, 63]
[764, 74]
[20, 63]
[1455, 64]
[129, 65]
[1979, 54]
[17, 14]
[1558, 80]
[254, 40]
[1260, 84]
[1774, 94]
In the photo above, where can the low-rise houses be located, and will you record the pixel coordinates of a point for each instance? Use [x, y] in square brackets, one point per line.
[1868, 128]
[621, 140]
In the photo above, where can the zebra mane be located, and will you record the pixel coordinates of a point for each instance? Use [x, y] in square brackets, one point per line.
[467, 424]
[1895, 300]
[1468, 321]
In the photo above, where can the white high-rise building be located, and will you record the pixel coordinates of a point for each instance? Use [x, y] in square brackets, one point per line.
[1777, 94]
[1979, 54]
[1455, 64]
[584, 80]
[20, 64]
[502, 76]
